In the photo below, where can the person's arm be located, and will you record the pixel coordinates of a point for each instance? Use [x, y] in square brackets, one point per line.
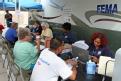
[10, 15]
[6, 16]
[74, 68]
[74, 73]
[107, 52]
[15, 36]
[47, 42]
[64, 70]
[94, 59]
[37, 41]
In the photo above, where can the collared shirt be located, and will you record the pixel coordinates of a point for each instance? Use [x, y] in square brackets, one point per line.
[25, 54]
[69, 37]
[102, 51]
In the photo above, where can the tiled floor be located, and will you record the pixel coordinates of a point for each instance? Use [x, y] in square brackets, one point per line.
[3, 73]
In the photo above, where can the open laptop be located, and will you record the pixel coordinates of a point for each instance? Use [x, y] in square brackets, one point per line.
[81, 53]
[103, 62]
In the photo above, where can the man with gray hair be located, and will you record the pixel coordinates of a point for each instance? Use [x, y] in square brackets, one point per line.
[25, 53]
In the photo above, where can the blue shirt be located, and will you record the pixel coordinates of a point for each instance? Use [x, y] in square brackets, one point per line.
[102, 51]
[69, 37]
[11, 35]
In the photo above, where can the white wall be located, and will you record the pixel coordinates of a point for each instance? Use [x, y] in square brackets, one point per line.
[22, 18]
[51, 12]
[79, 8]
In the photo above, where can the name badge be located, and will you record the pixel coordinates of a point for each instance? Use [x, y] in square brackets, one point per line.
[99, 52]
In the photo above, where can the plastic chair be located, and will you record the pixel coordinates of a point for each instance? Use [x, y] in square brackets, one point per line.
[14, 71]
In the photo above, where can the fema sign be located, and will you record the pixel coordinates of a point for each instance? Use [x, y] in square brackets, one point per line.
[107, 8]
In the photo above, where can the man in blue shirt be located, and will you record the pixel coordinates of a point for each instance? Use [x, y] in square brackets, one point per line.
[11, 33]
[68, 36]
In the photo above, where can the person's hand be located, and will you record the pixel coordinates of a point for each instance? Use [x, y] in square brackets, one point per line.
[72, 62]
[37, 41]
[94, 59]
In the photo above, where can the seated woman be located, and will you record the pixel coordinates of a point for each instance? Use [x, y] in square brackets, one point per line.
[25, 53]
[36, 29]
[98, 47]
[46, 34]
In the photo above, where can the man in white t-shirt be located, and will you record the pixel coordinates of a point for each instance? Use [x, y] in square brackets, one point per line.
[49, 66]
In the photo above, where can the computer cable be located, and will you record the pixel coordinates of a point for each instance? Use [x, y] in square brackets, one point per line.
[106, 69]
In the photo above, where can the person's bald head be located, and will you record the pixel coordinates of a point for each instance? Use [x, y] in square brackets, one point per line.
[14, 25]
[7, 11]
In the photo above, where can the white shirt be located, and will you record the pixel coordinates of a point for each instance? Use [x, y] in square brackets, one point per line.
[4, 31]
[49, 66]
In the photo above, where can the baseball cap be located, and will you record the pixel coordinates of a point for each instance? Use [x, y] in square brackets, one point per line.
[1, 27]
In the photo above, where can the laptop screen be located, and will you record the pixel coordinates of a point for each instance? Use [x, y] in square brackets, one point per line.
[103, 61]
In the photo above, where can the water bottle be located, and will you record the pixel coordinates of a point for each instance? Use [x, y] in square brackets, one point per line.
[91, 67]
[75, 59]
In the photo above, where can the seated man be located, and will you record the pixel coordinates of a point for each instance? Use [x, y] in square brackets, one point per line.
[49, 66]
[68, 36]
[11, 33]
[25, 53]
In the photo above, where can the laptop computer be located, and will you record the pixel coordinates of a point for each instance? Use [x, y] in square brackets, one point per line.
[83, 55]
[103, 62]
